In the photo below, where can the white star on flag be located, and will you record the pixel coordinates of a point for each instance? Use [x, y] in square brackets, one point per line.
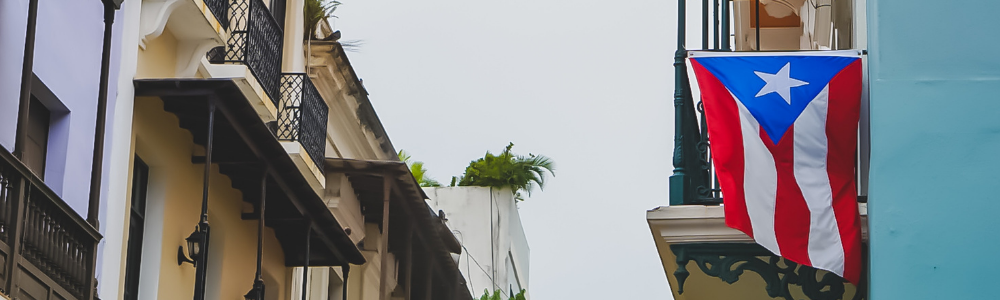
[781, 83]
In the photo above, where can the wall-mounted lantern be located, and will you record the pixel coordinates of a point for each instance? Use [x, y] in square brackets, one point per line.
[194, 242]
[257, 292]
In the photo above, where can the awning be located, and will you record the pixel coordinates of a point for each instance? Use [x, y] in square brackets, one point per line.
[243, 146]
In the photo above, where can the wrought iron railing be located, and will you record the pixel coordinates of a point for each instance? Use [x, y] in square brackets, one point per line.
[255, 40]
[219, 8]
[57, 245]
[302, 115]
[694, 180]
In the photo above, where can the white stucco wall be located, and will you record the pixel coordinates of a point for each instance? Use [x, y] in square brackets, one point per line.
[486, 222]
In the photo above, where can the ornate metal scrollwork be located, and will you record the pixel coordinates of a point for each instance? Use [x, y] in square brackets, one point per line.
[728, 262]
[255, 39]
[303, 115]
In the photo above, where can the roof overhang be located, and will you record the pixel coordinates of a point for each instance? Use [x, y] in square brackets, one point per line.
[243, 147]
[408, 211]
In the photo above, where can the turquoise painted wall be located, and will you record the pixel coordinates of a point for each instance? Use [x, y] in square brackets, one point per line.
[934, 191]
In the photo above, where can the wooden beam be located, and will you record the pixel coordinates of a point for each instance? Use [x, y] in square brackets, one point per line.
[251, 143]
[409, 263]
[11, 272]
[384, 245]
[430, 278]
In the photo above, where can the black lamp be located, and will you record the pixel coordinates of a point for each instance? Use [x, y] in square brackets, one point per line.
[194, 242]
[257, 292]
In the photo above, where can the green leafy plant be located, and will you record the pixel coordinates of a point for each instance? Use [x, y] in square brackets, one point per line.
[418, 170]
[507, 170]
[498, 296]
[315, 11]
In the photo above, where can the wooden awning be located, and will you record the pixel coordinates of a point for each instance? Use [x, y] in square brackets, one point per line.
[243, 147]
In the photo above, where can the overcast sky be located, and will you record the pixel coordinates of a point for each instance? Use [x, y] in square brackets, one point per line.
[588, 83]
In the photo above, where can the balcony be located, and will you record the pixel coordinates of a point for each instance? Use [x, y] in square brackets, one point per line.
[47, 249]
[694, 181]
[302, 116]
[726, 262]
[219, 8]
[255, 40]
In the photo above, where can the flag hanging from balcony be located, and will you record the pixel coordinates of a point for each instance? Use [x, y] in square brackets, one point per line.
[783, 133]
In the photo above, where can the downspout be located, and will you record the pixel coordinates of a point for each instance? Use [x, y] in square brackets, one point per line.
[26, 77]
[97, 168]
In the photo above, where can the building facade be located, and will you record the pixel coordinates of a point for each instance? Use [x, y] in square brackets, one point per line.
[701, 256]
[52, 111]
[495, 252]
[915, 150]
[934, 135]
[247, 162]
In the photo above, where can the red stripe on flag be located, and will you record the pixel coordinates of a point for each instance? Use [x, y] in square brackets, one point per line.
[723, 119]
[791, 214]
[841, 132]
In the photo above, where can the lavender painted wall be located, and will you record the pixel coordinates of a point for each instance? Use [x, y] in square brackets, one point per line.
[68, 45]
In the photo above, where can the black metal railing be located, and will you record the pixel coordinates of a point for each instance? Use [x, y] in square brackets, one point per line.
[57, 245]
[694, 180]
[302, 115]
[219, 8]
[255, 40]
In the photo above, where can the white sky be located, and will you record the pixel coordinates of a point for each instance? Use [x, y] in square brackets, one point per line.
[588, 83]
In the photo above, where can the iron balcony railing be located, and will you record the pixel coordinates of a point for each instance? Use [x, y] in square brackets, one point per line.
[42, 239]
[255, 40]
[219, 8]
[302, 115]
[694, 181]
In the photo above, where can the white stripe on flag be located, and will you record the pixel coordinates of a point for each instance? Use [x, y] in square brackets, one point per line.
[761, 184]
[825, 248]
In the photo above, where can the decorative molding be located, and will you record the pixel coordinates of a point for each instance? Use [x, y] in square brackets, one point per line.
[729, 261]
[707, 224]
[190, 54]
[153, 19]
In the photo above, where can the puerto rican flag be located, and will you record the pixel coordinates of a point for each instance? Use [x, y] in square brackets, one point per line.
[783, 131]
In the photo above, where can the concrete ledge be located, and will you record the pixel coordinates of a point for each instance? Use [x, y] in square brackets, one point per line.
[302, 160]
[700, 224]
[247, 83]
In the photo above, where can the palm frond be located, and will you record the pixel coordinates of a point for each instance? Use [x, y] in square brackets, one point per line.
[315, 11]
[508, 170]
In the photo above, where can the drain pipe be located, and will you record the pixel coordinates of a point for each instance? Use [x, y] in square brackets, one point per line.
[26, 78]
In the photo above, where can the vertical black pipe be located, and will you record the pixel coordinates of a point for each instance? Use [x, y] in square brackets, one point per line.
[725, 25]
[102, 111]
[704, 24]
[24, 100]
[305, 265]
[678, 181]
[757, 21]
[715, 26]
[97, 166]
[257, 292]
[346, 270]
[201, 267]
[260, 224]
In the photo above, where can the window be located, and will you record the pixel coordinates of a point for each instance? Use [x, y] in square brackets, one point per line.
[38, 137]
[794, 24]
[137, 218]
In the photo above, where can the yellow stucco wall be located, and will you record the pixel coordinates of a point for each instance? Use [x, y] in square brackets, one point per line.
[174, 197]
[159, 59]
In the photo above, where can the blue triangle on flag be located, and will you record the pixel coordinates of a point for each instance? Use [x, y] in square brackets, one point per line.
[771, 110]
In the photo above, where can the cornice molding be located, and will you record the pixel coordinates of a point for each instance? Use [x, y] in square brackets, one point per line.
[154, 15]
[707, 224]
